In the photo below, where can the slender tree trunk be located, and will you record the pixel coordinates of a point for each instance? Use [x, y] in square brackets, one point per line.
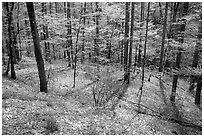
[160, 9]
[122, 44]
[141, 24]
[180, 35]
[131, 39]
[56, 7]
[135, 60]
[46, 36]
[175, 78]
[144, 57]
[126, 42]
[37, 48]
[109, 44]
[11, 36]
[83, 32]
[18, 29]
[76, 49]
[163, 39]
[145, 45]
[96, 40]
[69, 34]
[50, 6]
[198, 49]
[198, 91]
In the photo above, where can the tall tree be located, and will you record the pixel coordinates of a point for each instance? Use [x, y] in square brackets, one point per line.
[131, 39]
[198, 90]
[175, 77]
[45, 34]
[37, 48]
[144, 57]
[196, 56]
[18, 31]
[76, 48]
[9, 7]
[180, 35]
[56, 7]
[141, 24]
[96, 40]
[83, 32]
[122, 43]
[163, 39]
[69, 53]
[127, 5]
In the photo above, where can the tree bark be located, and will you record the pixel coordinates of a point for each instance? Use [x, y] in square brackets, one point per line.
[11, 36]
[56, 7]
[196, 56]
[144, 57]
[126, 42]
[96, 40]
[131, 39]
[141, 24]
[122, 45]
[83, 32]
[18, 30]
[163, 39]
[175, 78]
[37, 48]
[69, 52]
[180, 39]
[145, 45]
[198, 91]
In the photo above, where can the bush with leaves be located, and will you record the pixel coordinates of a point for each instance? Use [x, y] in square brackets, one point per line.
[106, 92]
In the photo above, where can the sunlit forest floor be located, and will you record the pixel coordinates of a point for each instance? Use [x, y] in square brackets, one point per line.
[24, 107]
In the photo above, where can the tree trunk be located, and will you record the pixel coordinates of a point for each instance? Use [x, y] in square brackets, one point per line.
[69, 52]
[11, 36]
[131, 40]
[198, 49]
[83, 32]
[180, 38]
[122, 44]
[135, 62]
[141, 24]
[18, 30]
[50, 6]
[145, 45]
[76, 50]
[144, 58]
[175, 78]
[37, 48]
[56, 7]
[160, 9]
[46, 36]
[198, 91]
[96, 40]
[163, 39]
[126, 80]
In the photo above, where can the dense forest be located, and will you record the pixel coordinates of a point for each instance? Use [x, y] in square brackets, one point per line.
[102, 68]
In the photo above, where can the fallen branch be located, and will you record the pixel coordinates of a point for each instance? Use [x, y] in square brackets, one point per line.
[158, 114]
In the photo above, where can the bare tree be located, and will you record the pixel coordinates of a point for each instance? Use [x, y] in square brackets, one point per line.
[163, 39]
[83, 32]
[131, 39]
[181, 29]
[141, 24]
[37, 48]
[9, 7]
[144, 57]
[126, 42]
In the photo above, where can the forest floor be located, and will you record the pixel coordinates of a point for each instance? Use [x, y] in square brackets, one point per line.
[24, 108]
